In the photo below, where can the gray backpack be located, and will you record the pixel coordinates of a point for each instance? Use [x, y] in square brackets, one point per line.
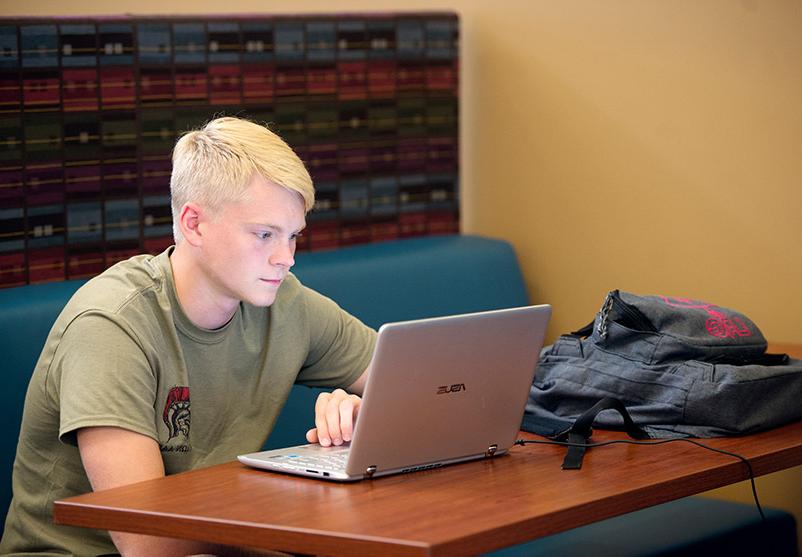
[681, 367]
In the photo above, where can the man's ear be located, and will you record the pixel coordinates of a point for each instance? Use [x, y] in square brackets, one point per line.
[189, 220]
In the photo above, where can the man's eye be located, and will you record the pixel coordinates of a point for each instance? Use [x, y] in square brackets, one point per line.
[263, 235]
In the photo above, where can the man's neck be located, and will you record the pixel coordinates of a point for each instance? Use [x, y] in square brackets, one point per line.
[201, 303]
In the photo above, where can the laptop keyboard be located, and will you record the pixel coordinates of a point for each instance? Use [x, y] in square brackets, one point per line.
[333, 461]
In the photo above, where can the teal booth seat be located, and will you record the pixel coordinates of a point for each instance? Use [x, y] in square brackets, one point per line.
[394, 281]
[26, 315]
[689, 527]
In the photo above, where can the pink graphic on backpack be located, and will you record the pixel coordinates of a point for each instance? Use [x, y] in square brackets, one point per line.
[718, 324]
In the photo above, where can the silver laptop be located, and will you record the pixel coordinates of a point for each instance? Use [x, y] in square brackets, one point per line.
[440, 391]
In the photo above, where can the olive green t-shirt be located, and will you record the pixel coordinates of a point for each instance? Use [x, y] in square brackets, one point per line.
[122, 353]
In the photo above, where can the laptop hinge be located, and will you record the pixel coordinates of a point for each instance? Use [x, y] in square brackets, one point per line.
[369, 471]
[491, 450]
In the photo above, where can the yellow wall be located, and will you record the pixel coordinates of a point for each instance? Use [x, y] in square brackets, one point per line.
[652, 146]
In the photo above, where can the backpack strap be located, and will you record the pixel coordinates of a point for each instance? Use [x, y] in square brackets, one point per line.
[580, 432]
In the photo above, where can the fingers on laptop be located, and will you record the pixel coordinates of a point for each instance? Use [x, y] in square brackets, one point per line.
[348, 411]
[334, 418]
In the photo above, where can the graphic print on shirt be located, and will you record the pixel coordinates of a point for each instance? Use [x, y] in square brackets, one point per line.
[176, 417]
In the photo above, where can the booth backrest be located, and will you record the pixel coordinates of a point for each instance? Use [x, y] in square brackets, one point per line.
[379, 283]
[26, 316]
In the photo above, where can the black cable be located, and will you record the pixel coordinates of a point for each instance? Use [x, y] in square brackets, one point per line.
[655, 442]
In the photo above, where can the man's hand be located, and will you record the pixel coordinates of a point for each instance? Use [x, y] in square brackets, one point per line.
[335, 414]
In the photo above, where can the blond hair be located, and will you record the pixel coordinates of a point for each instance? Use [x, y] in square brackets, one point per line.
[214, 165]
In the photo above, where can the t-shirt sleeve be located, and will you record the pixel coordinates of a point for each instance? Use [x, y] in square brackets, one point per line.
[340, 345]
[102, 378]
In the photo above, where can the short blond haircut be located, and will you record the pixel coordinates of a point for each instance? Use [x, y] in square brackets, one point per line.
[215, 164]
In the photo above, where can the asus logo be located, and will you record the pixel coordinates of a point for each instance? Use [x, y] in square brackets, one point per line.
[455, 388]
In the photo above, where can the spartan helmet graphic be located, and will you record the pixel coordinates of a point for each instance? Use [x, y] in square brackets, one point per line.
[176, 414]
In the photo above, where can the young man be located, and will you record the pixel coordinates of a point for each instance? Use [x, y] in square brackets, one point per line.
[171, 362]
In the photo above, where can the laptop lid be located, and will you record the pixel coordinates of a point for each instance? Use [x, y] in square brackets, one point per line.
[440, 390]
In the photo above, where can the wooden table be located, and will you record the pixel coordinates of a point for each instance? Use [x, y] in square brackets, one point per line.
[465, 508]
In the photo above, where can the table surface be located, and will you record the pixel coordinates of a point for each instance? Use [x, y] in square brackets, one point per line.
[465, 508]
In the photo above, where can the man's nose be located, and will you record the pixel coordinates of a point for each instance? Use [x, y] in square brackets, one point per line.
[284, 255]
